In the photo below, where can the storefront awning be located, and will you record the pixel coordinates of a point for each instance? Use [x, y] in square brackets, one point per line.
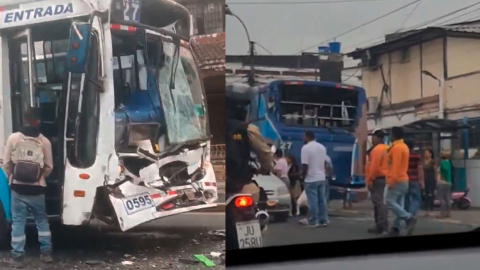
[433, 125]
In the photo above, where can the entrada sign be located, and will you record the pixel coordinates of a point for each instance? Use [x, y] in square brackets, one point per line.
[37, 13]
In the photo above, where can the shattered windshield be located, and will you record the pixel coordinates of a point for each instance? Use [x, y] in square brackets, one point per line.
[185, 113]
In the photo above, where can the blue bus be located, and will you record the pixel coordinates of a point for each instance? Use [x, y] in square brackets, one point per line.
[336, 113]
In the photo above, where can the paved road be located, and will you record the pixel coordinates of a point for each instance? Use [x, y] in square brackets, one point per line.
[346, 227]
[169, 243]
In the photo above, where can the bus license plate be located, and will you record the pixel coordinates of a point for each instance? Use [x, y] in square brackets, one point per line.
[137, 203]
[249, 234]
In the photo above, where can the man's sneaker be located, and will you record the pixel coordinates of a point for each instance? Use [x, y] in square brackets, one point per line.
[46, 257]
[376, 230]
[304, 222]
[17, 262]
[325, 224]
[411, 223]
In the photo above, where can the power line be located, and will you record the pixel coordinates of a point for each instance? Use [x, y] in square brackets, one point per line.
[408, 16]
[362, 25]
[263, 47]
[424, 23]
[306, 2]
[461, 15]
[441, 17]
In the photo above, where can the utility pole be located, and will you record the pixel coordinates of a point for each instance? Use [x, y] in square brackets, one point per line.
[251, 74]
[251, 46]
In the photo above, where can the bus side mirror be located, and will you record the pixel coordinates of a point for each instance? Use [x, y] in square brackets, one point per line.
[78, 47]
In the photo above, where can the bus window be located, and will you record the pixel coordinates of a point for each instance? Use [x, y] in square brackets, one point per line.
[318, 105]
[129, 67]
[179, 105]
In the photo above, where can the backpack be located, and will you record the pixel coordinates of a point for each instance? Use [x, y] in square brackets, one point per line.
[27, 157]
[238, 169]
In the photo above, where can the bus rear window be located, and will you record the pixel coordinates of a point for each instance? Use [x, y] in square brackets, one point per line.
[314, 105]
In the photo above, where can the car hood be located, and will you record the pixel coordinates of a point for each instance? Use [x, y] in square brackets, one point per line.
[269, 182]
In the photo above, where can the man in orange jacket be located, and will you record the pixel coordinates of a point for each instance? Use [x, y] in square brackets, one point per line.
[376, 170]
[397, 182]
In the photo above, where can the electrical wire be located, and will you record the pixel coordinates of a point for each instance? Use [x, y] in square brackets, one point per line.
[461, 15]
[263, 47]
[424, 23]
[408, 16]
[305, 2]
[441, 17]
[361, 25]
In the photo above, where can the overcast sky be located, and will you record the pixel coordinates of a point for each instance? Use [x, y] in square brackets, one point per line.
[287, 29]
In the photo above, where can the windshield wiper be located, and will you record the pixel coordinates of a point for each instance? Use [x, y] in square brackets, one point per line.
[175, 148]
[173, 72]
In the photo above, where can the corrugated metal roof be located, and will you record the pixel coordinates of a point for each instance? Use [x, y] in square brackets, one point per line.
[468, 28]
[210, 51]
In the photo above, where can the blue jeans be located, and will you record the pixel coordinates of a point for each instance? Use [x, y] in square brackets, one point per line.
[317, 202]
[396, 200]
[327, 192]
[413, 200]
[20, 206]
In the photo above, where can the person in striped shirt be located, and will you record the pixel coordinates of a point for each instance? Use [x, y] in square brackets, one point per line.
[413, 199]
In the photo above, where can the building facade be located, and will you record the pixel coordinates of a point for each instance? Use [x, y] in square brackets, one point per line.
[422, 74]
[208, 15]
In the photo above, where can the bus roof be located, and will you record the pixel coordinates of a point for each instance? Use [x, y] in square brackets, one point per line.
[317, 83]
[31, 12]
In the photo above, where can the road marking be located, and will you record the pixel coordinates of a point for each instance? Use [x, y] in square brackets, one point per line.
[452, 221]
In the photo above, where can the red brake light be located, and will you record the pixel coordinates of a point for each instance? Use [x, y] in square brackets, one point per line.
[293, 83]
[243, 201]
[167, 206]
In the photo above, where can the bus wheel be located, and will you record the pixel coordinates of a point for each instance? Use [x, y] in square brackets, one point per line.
[4, 229]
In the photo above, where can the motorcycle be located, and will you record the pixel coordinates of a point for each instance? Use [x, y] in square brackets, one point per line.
[459, 199]
[246, 222]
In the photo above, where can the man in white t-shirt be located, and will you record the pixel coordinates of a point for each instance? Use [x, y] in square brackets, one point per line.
[315, 163]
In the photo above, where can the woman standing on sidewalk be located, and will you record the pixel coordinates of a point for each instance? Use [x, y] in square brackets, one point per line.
[430, 175]
[445, 186]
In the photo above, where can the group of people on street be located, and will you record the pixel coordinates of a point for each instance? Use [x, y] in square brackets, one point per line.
[396, 176]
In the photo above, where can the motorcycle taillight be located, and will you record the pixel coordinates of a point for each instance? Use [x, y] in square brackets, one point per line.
[243, 201]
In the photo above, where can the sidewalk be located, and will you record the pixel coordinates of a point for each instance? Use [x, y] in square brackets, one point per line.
[465, 217]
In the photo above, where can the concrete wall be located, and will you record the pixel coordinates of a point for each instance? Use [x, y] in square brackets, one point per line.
[461, 95]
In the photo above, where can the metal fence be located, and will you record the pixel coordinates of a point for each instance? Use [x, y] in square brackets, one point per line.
[217, 157]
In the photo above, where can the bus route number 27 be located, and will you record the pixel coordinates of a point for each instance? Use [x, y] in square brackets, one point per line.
[285, 145]
[137, 203]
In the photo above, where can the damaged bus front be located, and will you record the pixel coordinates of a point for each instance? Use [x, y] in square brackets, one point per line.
[121, 101]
